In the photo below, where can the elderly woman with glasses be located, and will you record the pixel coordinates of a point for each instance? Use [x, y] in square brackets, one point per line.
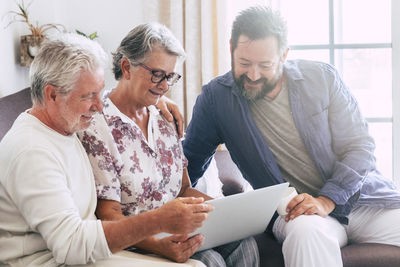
[136, 155]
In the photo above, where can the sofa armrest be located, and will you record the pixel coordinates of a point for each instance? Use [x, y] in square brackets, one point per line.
[370, 255]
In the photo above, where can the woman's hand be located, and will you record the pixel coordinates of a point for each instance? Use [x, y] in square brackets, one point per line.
[183, 215]
[170, 110]
[179, 248]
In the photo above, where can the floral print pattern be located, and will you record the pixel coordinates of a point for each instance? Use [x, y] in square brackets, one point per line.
[139, 174]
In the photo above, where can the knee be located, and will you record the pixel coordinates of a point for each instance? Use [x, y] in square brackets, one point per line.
[249, 246]
[249, 242]
[305, 227]
[246, 255]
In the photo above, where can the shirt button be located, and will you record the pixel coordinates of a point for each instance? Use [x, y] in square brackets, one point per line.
[153, 154]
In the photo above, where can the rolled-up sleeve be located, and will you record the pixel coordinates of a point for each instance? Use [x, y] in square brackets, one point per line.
[351, 143]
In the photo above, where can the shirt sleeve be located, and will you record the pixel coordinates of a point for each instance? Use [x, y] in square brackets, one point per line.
[351, 143]
[105, 161]
[202, 137]
[39, 189]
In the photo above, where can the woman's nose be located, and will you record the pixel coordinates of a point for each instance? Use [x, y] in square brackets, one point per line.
[163, 85]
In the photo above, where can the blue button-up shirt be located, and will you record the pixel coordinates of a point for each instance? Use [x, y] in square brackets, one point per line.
[328, 120]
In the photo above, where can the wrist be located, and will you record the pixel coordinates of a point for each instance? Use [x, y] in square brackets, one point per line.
[156, 220]
[328, 203]
[150, 244]
[156, 246]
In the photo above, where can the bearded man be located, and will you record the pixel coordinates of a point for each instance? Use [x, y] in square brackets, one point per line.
[295, 121]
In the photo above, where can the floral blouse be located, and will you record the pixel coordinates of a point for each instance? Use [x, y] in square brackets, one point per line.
[140, 174]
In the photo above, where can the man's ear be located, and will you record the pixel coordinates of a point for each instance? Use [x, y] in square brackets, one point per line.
[230, 46]
[49, 93]
[284, 56]
[126, 68]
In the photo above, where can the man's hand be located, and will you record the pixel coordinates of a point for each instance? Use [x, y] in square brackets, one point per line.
[178, 247]
[170, 111]
[183, 215]
[308, 205]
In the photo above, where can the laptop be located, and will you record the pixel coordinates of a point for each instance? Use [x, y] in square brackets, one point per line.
[239, 216]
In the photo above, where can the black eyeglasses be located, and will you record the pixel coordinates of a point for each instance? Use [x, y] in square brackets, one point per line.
[157, 76]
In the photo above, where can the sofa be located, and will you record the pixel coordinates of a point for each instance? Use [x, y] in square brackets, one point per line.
[354, 255]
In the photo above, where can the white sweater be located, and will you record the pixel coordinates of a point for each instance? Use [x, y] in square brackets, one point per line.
[47, 197]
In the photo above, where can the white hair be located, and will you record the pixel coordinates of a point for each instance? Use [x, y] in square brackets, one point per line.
[61, 60]
[139, 42]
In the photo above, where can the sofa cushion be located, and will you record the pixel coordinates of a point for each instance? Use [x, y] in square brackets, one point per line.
[370, 255]
[11, 106]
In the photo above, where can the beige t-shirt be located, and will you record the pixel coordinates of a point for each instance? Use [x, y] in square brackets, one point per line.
[275, 121]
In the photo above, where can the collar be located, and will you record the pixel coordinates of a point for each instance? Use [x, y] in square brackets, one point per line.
[112, 113]
[292, 70]
[228, 81]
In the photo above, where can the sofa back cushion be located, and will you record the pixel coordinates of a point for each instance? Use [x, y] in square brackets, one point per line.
[11, 106]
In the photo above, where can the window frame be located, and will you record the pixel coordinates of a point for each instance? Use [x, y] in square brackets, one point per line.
[395, 46]
[395, 90]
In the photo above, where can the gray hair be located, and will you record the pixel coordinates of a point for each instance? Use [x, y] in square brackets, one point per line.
[140, 41]
[60, 62]
[260, 22]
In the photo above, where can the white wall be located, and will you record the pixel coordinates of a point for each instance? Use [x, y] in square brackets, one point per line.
[111, 19]
[12, 76]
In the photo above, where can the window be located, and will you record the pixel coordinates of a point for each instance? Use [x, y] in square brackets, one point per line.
[356, 37]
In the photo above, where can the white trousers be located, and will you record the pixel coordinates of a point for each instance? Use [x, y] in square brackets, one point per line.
[310, 240]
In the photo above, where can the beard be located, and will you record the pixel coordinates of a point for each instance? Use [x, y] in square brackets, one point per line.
[252, 92]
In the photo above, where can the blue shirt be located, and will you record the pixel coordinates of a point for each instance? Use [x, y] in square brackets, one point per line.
[328, 120]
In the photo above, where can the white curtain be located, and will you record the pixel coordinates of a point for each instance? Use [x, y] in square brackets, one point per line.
[196, 24]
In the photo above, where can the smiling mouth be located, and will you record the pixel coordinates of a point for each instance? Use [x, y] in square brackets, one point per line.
[155, 93]
[87, 117]
[251, 83]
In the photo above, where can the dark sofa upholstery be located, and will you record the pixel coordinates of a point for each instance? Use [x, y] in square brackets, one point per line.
[365, 255]
[11, 106]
